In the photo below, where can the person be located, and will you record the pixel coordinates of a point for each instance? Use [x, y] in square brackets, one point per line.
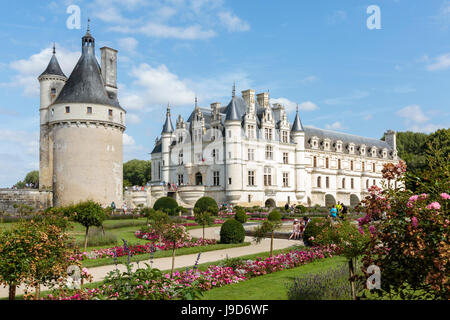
[302, 229]
[306, 220]
[343, 211]
[333, 212]
[125, 208]
[339, 207]
[286, 207]
[295, 230]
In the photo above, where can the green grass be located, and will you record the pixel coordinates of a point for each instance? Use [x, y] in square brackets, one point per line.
[162, 254]
[257, 288]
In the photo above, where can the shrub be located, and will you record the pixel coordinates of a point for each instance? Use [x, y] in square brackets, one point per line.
[241, 216]
[232, 231]
[302, 209]
[96, 238]
[314, 228]
[207, 204]
[274, 215]
[166, 204]
[329, 285]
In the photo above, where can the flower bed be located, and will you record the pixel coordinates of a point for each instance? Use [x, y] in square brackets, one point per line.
[214, 276]
[136, 249]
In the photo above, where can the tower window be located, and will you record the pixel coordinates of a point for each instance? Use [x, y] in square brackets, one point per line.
[53, 90]
[110, 112]
[89, 110]
[67, 109]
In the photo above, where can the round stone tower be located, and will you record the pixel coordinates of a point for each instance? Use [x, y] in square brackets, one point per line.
[86, 123]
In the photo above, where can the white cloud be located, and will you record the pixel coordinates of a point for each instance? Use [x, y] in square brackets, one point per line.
[291, 106]
[155, 86]
[441, 62]
[416, 120]
[133, 118]
[412, 114]
[128, 44]
[128, 140]
[335, 126]
[29, 69]
[232, 22]
[309, 79]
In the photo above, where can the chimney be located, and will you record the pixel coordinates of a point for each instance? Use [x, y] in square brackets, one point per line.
[391, 139]
[109, 69]
[249, 98]
[263, 99]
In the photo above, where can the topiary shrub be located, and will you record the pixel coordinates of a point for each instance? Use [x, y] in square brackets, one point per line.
[232, 231]
[241, 216]
[274, 216]
[166, 204]
[207, 204]
[313, 229]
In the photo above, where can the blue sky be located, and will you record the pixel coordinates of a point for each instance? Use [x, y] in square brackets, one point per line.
[319, 54]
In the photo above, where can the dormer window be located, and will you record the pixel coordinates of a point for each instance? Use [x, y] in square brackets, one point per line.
[374, 152]
[384, 153]
[339, 146]
[351, 148]
[363, 150]
[326, 144]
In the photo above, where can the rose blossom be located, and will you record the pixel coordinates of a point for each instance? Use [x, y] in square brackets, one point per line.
[445, 196]
[414, 221]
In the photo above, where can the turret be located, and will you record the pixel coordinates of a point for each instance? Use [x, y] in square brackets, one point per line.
[166, 136]
[51, 82]
[298, 137]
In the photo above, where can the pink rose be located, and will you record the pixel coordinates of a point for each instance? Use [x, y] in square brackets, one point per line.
[434, 205]
[414, 221]
[445, 196]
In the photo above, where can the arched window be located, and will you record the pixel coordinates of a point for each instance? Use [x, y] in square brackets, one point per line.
[319, 182]
[315, 162]
[327, 182]
[327, 163]
[180, 157]
[343, 183]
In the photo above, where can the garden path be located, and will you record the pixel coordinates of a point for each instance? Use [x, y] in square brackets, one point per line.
[185, 261]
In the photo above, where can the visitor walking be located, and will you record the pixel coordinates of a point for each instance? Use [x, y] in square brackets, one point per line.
[333, 212]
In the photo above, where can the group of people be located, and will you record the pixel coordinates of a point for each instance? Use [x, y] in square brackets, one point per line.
[339, 210]
[299, 227]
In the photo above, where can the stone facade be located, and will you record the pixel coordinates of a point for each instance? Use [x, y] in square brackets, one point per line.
[248, 153]
[38, 200]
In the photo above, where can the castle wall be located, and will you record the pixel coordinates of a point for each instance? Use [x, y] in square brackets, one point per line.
[88, 164]
[38, 200]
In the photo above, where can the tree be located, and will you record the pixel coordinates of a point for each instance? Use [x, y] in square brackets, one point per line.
[88, 214]
[268, 226]
[35, 253]
[204, 210]
[166, 204]
[411, 243]
[175, 234]
[32, 178]
[137, 172]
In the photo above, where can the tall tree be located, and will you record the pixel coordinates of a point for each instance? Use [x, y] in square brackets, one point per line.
[137, 172]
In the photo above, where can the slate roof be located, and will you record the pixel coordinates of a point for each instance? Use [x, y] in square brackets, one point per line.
[53, 68]
[85, 84]
[344, 137]
[168, 127]
[297, 126]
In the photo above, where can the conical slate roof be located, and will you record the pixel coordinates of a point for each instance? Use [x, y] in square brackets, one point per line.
[235, 109]
[85, 84]
[168, 127]
[297, 126]
[53, 68]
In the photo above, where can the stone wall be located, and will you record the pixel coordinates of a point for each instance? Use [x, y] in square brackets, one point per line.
[38, 200]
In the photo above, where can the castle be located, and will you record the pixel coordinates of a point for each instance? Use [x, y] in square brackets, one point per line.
[248, 153]
[81, 129]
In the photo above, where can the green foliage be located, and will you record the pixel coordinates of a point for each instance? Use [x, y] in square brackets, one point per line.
[232, 263]
[97, 238]
[232, 231]
[301, 208]
[241, 216]
[88, 214]
[314, 228]
[203, 218]
[32, 177]
[166, 204]
[274, 216]
[23, 209]
[207, 204]
[137, 172]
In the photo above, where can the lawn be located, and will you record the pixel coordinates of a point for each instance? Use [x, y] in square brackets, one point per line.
[257, 288]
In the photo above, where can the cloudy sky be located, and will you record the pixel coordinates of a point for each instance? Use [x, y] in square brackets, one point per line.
[319, 54]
